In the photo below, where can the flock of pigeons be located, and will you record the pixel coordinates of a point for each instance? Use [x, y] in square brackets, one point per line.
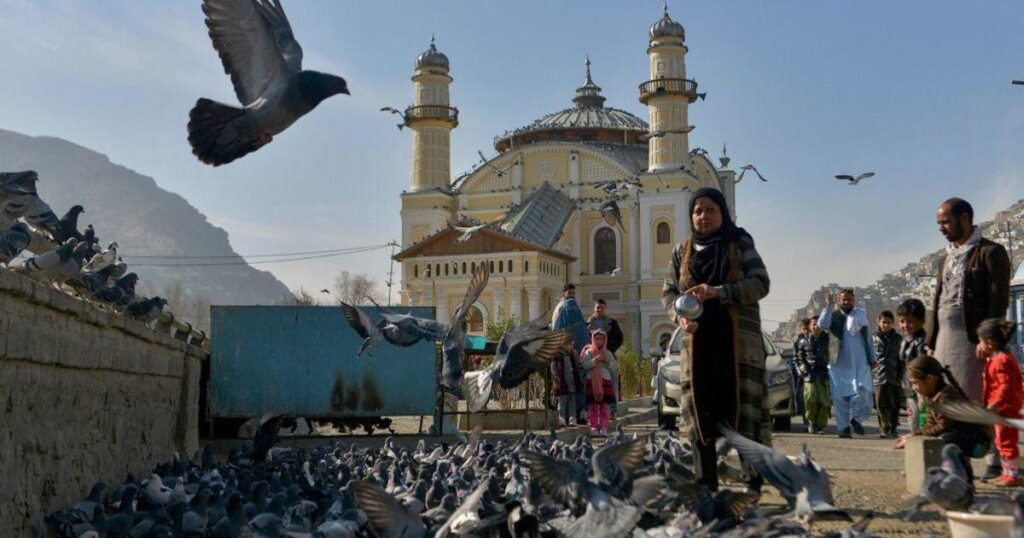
[522, 351]
[530, 487]
[74, 260]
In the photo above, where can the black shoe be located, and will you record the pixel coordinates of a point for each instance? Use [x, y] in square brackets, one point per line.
[991, 472]
[845, 434]
[821, 431]
[857, 427]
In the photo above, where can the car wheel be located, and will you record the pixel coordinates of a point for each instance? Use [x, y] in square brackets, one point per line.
[781, 424]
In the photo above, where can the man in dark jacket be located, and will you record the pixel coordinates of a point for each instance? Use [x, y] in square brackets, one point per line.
[973, 284]
[599, 320]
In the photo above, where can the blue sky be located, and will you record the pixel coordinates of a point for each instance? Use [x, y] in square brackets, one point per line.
[916, 91]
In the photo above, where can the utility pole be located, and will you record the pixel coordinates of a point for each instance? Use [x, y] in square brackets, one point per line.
[1009, 242]
[391, 272]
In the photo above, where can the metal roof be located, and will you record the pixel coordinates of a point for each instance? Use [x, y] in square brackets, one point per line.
[541, 217]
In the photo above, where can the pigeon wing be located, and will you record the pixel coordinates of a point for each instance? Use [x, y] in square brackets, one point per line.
[865, 175]
[387, 516]
[564, 481]
[844, 177]
[973, 413]
[776, 468]
[476, 286]
[629, 456]
[471, 504]
[356, 319]
[530, 355]
[247, 46]
[284, 38]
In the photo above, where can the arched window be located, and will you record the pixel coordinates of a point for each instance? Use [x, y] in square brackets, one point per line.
[472, 266]
[463, 267]
[475, 320]
[605, 257]
[490, 266]
[509, 266]
[526, 266]
[437, 269]
[428, 270]
[501, 266]
[446, 269]
[415, 271]
[663, 233]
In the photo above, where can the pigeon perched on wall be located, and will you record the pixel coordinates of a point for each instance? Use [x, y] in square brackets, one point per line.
[67, 226]
[521, 352]
[146, 310]
[87, 283]
[120, 293]
[43, 264]
[258, 49]
[13, 241]
[103, 259]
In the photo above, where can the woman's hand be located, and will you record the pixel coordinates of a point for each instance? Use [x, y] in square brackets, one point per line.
[901, 443]
[703, 292]
[688, 326]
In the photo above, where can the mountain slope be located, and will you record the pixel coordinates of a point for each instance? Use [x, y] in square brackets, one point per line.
[130, 208]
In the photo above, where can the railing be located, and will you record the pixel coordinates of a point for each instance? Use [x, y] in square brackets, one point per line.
[433, 112]
[668, 86]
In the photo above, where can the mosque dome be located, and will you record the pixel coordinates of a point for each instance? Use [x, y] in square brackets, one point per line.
[587, 120]
[666, 27]
[432, 57]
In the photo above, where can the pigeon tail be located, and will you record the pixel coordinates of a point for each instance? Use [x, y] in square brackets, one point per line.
[216, 136]
[476, 387]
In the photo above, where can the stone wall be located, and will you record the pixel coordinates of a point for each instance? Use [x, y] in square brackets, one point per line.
[85, 395]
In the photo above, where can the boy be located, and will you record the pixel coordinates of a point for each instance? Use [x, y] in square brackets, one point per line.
[800, 348]
[910, 316]
[812, 365]
[888, 375]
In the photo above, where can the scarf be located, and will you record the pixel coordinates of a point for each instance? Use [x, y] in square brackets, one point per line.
[596, 379]
[956, 256]
[709, 263]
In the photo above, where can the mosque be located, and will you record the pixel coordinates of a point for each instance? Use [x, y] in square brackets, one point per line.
[540, 198]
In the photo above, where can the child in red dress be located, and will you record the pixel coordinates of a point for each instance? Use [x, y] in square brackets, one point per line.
[1002, 392]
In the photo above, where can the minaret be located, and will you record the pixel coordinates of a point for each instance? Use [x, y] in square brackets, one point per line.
[431, 120]
[667, 95]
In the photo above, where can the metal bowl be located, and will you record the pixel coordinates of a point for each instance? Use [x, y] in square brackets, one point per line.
[688, 307]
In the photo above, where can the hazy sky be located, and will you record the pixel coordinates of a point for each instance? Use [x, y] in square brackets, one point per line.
[917, 91]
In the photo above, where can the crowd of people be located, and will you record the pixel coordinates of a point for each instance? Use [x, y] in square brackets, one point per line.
[959, 353]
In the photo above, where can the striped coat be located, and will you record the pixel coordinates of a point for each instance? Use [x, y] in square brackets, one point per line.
[747, 283]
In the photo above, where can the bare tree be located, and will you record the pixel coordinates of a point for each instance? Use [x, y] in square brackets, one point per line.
[300, 297]
[354, 288]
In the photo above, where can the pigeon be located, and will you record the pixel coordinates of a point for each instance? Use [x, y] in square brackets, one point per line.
[67, 226]
[146, 310]
[361, 324]
[13, 241]
[120, 293]
[521, 352]
[258, 50]
[602, 503]
[89, 235]
[52, 262]
[454, 340]
[854, 180]
[970, 412]
[617, 188]
[405, 330]
[611, 214]
[387, 516]
[945, 486]
[103, 259]
[499, 171]
[88, 283]
[468, 231]
[393, 110]
[804, 484]
[745, 168]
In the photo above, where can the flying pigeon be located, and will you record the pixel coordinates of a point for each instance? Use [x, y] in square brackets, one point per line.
[521, 352]
[13, 241]
[363, 326]
[454, 341]
[611, 214]
[387, 516]
[258, 49]
[399, 112]
[404, 330]
[804, 484]
[500, 171]
[745, 168]
[854, 180]
[146, 310]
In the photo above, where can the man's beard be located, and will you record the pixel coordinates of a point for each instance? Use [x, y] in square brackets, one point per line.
[846, 309]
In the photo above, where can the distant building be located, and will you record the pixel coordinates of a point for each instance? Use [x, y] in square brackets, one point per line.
[541, 193]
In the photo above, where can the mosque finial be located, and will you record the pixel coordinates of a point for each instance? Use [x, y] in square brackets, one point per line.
[724, 159]
[665, 7]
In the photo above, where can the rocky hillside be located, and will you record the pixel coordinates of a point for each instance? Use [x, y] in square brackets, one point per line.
[130, 208]
[916, 279]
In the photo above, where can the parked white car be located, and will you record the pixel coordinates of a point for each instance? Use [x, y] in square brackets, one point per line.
[778, 377]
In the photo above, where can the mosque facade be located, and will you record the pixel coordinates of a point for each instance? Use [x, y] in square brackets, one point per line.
[540, 197]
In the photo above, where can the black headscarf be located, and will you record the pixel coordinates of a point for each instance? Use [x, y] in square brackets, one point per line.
[709, 263]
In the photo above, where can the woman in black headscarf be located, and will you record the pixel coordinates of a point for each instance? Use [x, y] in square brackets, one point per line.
[723, 375]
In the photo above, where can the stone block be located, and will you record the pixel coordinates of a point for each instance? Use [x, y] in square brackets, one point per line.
[920, 454]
